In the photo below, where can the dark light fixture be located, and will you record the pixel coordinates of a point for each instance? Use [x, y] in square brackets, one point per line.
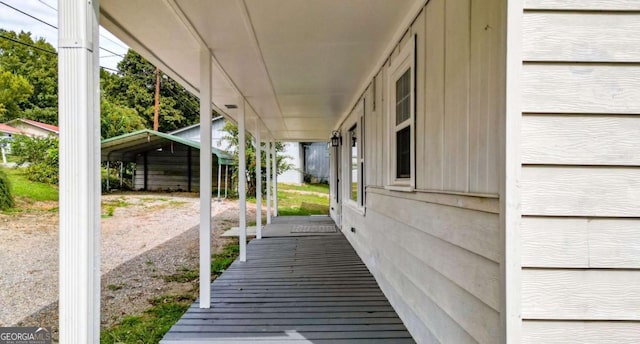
[336, 139]
[231, 106]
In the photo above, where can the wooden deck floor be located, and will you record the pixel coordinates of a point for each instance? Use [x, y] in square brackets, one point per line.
[294, 289]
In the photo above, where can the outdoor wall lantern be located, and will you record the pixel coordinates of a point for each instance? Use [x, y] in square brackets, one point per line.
[336, 139]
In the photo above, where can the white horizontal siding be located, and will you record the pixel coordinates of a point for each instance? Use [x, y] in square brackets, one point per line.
[581, 140]
[474, 231]
[586, 5]
[581, 88]
[581, 191]
[580, 180]
[452, 290]
[580, 242]
[583, 37]
[580, 294]
[580, 332]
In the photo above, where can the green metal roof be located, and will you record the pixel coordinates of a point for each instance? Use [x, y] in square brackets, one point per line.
[126, 147]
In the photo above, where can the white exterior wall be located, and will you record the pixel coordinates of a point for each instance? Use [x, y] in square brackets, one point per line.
[293, 156]
[193, 133]
[436, 251]
[292, 151]
[581, 172]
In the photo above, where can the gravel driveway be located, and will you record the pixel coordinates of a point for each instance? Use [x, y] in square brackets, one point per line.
[143, 231]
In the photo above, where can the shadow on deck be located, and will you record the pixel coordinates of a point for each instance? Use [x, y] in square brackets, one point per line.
[302, 283]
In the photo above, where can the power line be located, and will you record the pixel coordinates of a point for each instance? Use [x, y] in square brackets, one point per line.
[29, 15]
[44, 50]
[56, 10]
[46, 4]
[53, 26]
[111, 52]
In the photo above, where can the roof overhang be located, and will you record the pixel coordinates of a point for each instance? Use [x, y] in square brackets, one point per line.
[299, 65]
[127, 147]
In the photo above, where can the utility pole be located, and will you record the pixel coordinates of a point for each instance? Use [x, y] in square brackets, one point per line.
[156, 113]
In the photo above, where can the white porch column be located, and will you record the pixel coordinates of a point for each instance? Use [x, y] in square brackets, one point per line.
[79, 108]
[219, 177]
[268, 153]
[275, 180]
[242, 182]
[205, 179]
[258, 182]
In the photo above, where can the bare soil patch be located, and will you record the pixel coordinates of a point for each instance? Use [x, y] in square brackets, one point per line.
[148, 236]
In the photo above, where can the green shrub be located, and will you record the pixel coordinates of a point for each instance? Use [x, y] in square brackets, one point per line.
[6, 198]
[41, 155]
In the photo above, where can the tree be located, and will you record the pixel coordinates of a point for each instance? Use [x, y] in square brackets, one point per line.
[134, 87]
[39, 66]
[14, 91]
[117, 120]
[232, 140]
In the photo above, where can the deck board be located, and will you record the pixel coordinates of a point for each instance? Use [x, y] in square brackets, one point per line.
[294, 289]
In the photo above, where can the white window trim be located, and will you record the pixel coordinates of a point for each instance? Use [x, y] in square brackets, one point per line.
[358, 113]
[398, 66]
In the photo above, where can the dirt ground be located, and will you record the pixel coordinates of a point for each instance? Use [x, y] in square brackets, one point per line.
[144, 236]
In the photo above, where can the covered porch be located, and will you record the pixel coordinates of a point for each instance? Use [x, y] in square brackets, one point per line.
[282, 71]
[302, 283]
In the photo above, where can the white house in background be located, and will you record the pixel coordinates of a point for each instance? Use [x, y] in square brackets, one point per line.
[494, 147]
[7, 133]
[34, 128]
[192, 133]
[305, 158]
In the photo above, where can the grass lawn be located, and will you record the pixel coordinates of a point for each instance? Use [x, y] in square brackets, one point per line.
[27, 190]
[319, 188]
[303, 200]
[166, 310]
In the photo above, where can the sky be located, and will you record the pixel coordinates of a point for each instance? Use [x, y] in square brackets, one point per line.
[46, 10]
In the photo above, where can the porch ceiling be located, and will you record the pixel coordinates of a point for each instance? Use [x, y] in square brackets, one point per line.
[300, 64]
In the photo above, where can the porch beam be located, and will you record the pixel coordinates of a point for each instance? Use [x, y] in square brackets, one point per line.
[258, 181]
[205, 178]
[79, 117]
[242, 181]
[268, 162]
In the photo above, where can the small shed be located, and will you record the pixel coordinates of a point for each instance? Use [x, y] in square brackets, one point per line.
[166, 162]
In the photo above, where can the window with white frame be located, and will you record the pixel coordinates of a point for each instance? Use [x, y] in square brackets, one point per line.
[401, 95]
[355, 163]
[355, 154]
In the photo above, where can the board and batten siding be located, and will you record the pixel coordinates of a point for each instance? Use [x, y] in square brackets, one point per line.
[581, 171]
[436, 251]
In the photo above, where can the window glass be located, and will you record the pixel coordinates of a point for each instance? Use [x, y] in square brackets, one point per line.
[403, 153]
[403, 97]
[354, 163]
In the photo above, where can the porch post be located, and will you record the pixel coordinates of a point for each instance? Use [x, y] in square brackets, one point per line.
[108, 186]
[219, 177]
[258, 182]
[205, 179]
[79, 108]
[242, 182]
[275, 180]
[268, 153]
[226, 177]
